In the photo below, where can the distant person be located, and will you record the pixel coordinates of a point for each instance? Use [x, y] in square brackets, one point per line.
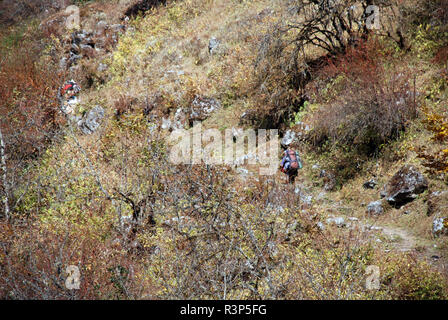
[69, 99]
[290, 164]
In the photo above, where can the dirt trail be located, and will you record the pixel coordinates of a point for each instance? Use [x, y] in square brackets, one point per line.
[394, 238]
[406, 242]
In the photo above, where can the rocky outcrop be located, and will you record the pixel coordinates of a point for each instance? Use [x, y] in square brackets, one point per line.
[92, 120]
[404, 186]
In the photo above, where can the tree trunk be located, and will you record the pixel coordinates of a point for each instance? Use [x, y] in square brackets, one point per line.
[4, 177]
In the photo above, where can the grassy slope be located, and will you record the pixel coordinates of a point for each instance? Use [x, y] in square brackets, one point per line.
[176, 38]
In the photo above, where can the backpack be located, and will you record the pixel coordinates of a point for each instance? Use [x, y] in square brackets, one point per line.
[294, 159]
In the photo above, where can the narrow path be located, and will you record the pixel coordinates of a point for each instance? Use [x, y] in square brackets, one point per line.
[391, 237]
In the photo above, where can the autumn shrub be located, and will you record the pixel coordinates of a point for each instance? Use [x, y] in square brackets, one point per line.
[139, 226]
[293, 50]
[29, 82]
[29, 120]
[365, 102]
[436, 161]
[405, 277]
[13, 11]
[35, 265]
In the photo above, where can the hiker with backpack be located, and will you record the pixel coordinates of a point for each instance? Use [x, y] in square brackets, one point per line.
[290, 164]
[68, 96]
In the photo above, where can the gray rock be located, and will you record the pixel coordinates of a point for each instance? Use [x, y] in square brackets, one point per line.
[213, 45]
[375, 208]
[118, 28]
[74, 48]
[175, 72]
[304, 198]
[321, 226]
[74, 58]
[404, 186]
[90, 123]
[329, 180]
[288, 138]
[321, 196]
[338, 221]
[439, 226]
[166, 124]
[371, 184]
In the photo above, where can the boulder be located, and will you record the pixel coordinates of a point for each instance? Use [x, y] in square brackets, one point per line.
[404, 186]
[90, 123]
[375, 208]
[63, 63]
[202, 107]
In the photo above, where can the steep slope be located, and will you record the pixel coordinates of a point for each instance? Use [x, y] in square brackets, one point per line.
[139, 226]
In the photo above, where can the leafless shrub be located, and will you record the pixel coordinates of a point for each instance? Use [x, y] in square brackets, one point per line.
[290, 53]
[370, 105]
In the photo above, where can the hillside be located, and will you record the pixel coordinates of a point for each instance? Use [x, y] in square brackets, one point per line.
[95, 184]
